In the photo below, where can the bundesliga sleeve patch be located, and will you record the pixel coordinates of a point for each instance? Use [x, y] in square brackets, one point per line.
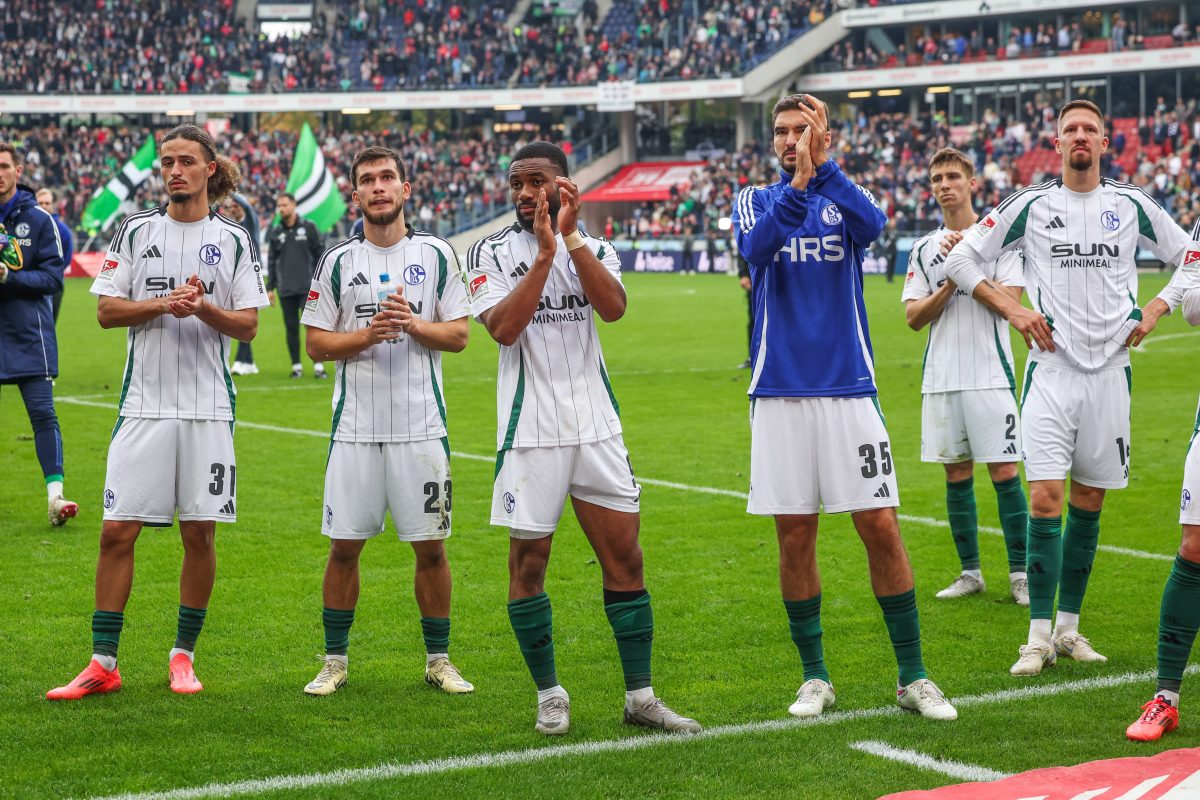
[1191, 260]
[107, 269]
[986, 224]
[477, 287]
[311, 303]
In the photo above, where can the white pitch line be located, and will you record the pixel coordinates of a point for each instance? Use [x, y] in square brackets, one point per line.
[1156, 339]
[955, 769]
[506, 758]
[684, 487]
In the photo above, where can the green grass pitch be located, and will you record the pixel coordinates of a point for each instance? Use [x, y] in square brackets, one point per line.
[722, 652]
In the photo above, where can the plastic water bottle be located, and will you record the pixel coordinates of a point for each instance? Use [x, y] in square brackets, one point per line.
[386, 287]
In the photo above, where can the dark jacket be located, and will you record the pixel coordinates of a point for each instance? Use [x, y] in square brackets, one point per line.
[28, 347]
[292, 255]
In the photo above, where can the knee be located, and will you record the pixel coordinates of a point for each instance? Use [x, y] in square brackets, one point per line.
[43, 418]
[117, 540]
[198, 540]
[431, 557]
[1189, 548]
[343, 553]
[1088, 498]
[527, 569]
[1002, 472]
[1043, 503]
[957, 473]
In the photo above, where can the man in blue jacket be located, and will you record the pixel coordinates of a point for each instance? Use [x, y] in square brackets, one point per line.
[817, 433]
[45, 201]
[31, 270]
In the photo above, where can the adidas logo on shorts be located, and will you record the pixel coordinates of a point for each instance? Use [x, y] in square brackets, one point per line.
[360, 280]
[883, 491]
[227, 508]
[1011, 450]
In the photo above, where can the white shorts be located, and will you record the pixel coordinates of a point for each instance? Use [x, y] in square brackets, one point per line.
[812, 452]
[532, 483]
[978, 425]
[158, 466]
[365, 481]
[1078, 423]
[1189, 501]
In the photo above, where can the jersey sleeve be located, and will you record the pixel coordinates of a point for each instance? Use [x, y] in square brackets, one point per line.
[1001, 231]
[487, 284]
[248, 288]
[115, 278]
[916, 281]
[1172, 245]
[1010, 269]
[607, 255]
[864, 219]
[760, 227]
[452, 292]
[322, 309]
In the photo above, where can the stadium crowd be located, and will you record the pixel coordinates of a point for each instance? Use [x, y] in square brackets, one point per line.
[455, 178]
[985, 42]
[889, 154]
[124, 46]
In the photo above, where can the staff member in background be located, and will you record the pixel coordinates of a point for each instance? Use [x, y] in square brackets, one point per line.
[294, 248]
[45, 199]
[31, 269]
[237, 208]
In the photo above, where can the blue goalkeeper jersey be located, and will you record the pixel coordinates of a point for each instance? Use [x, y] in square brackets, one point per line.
[805, 251]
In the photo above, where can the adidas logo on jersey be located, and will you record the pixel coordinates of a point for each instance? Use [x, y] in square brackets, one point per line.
[1056, 223]
[153, 252]
[1011, 450]
[360, 280]
[520, 270]
[883, 491]
[227, 508]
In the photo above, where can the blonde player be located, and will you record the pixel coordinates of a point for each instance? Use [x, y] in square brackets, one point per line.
[185, 281]
[388, 449]
[1080, 236]
[538, 286]
[968, 392]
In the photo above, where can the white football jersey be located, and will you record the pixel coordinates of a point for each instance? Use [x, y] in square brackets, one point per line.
[968, 345]
[176, 368]
[392, 391]
[552, 388]
[1080, 262]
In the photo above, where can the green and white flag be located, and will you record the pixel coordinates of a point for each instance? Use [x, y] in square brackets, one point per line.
[317, 195]
[106, 202]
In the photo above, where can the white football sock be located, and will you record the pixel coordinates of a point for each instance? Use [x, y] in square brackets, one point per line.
[553, 691]
[108, 662]
[974, 573]
[1016, 576]
[638, 697]
[1065, 623]
[177, 650]
[1169, 696]
[429, 657]
[1039, 631]
[54, 489]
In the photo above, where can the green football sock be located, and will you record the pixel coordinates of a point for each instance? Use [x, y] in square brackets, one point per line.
[532, 623]
[964, 521]
[1178, 622]
[1045, 564]
[436, 631]
[337, 630]
[106, 632]
[191, 620]
[632, 622]
[804, 622]
[1078, 553]
[904, 629]
[1014, 520]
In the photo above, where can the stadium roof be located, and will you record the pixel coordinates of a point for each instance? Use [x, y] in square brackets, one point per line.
[646, 180]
